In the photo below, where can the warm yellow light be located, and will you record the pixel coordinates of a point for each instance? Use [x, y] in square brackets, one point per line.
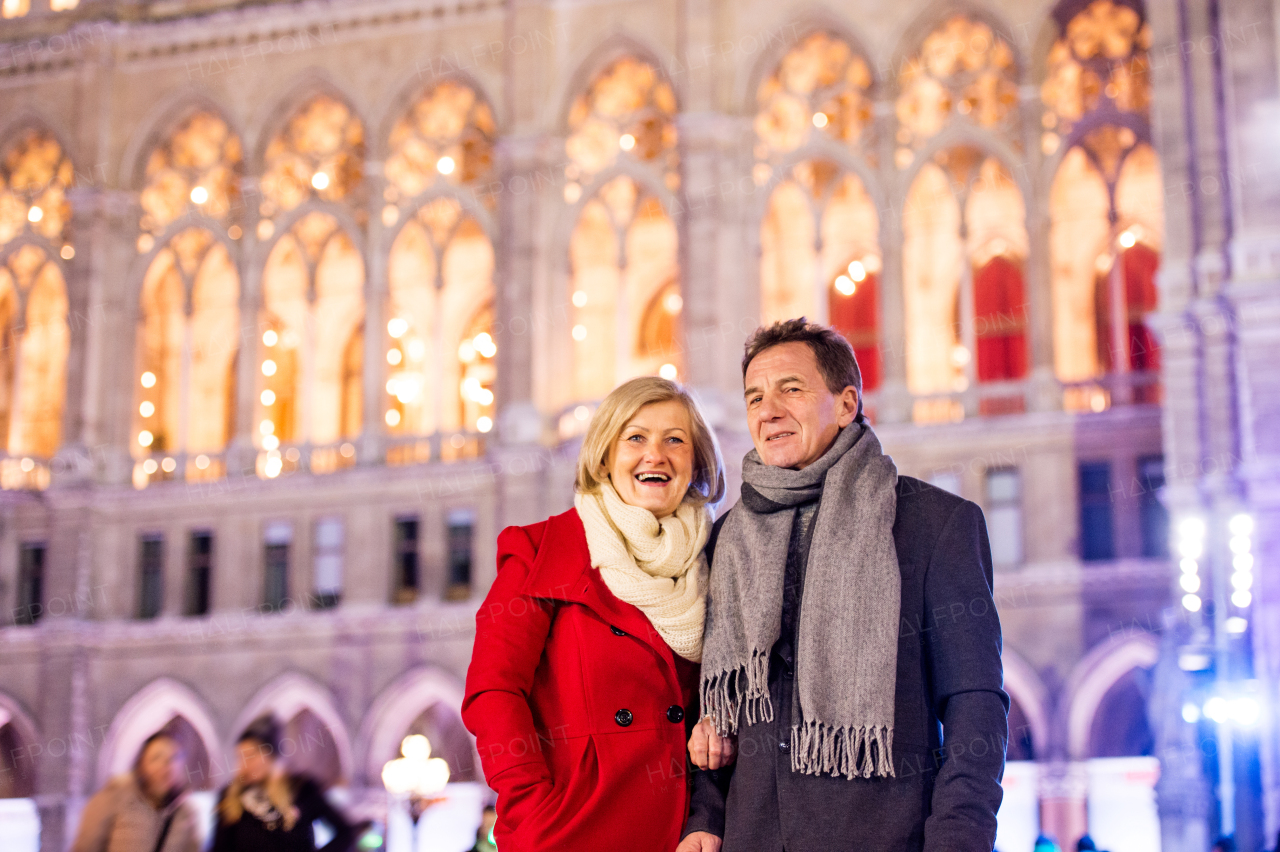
[579, 333]
[581, 412]
[579, 298]
[483, 342]
[397, 326]
[393, 417]
[466, 352]
[857, 271]
[268, 367]
[273, 467]
[270, 442]
[394, 357]
[149, 466]
[68, 251]
[484, 424]
[35, 214]
[626, 141]
[168, 465]
[668, 372]
[270, 338]
[845, 285]
[1128, 240]
[320, 180]
[202, 461]
[147, 408]
[820, 119]
[145, 438]
[673, 303]
[148, 379]
[445, 165]
[268, 397]
[27, 465]
[266, 427]
[417, 349]
[199, 195]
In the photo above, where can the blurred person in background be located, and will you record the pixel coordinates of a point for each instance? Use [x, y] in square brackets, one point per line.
[143, 810]
[265, 809]
[484, 834]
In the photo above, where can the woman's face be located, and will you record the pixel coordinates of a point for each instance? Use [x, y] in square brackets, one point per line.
[254, 762]
[651, 463]
[161, 768]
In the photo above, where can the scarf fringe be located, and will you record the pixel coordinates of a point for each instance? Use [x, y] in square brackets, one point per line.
[727, 692]
[853, 751]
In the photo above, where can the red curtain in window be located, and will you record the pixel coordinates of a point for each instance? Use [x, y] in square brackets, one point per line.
[856, 316]
[1000, 320]
[1140, 265]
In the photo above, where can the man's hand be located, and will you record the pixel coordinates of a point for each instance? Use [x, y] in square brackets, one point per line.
[700, 841]
[709, 750]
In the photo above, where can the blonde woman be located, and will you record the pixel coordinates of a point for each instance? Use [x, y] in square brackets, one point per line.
[264, 809]
[585, 669]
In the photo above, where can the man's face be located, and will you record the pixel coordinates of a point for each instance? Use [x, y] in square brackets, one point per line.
[792, 415]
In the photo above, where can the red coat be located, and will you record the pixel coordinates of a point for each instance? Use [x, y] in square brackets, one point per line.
[578, 705]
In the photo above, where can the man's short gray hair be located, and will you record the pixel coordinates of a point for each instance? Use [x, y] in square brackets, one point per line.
[833, 353]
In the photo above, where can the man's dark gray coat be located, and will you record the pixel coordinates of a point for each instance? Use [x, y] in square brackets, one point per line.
[950, 718]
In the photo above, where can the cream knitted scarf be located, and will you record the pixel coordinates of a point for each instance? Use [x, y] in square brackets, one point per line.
[655, 565]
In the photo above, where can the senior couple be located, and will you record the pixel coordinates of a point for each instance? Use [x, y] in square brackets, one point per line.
[834, 630]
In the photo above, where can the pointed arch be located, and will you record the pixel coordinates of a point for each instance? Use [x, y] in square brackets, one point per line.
[286, 697]
[1025, 686]
[395, 709]
[161, 120]
[913, 34]
[275, 111]
[23, 118]
[968, 136]
[402, 99]
[798, 26]
[149, 710]
[1094, 676]
[594, 59]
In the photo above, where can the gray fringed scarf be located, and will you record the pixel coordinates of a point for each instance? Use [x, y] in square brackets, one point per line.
[847, 647]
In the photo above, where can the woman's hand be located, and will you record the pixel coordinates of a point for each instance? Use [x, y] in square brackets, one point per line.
[700, 841]
[709, 750]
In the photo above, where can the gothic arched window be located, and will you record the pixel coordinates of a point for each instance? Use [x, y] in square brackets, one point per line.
[319, 153]
[447, 135]
[313, 308]
[441, 348]
[1106, 211]
[195, 169]
[188, 338]
[963, 68]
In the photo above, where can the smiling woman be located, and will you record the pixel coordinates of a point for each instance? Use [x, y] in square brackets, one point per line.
[610, 595]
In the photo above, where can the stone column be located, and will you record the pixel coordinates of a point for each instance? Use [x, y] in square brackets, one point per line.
[1064, 802]
[894, 399]
[516, 459]
[520, 260]
[370, 446]
[241, 455]
[102, 288]
[715, 318]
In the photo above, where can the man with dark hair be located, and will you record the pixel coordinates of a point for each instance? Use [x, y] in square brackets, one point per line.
[851, 639]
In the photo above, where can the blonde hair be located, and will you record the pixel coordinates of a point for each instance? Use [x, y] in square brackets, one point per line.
[616, 411]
